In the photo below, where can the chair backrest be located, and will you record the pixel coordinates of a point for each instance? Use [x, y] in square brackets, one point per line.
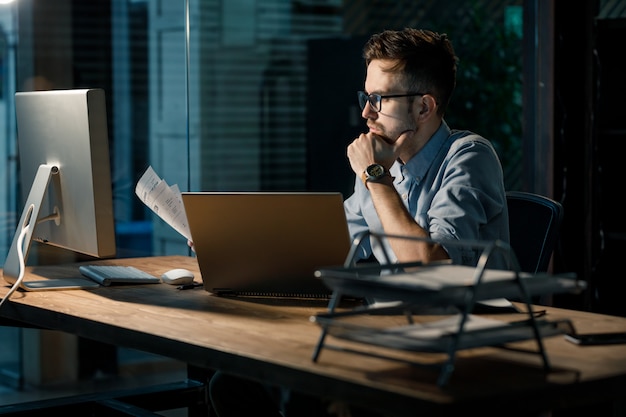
[534, 224]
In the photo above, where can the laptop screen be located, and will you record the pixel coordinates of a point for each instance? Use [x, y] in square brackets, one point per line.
[266, 243]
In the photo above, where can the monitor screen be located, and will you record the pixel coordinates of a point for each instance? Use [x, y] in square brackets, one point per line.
[65, 174]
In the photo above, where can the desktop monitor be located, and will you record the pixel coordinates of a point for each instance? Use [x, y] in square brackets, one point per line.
[65, 171]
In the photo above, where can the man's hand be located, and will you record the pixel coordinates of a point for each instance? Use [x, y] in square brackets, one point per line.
[367, 149]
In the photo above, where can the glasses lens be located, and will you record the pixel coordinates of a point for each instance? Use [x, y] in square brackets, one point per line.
[375, 101]
[372, 99]
[363, 99]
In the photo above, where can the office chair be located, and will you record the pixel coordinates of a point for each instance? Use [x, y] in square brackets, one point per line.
[534, 224]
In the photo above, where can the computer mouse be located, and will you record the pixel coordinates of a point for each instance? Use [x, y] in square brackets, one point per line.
[178, 276]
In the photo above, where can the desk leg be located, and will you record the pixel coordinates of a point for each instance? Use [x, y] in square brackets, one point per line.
[203, 409]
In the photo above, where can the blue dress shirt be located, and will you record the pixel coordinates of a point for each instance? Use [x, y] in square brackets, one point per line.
[453, 187]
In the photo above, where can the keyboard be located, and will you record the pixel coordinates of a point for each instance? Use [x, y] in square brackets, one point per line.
[117, 274]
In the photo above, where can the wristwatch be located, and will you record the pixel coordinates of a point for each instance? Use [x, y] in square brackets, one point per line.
[374, 172]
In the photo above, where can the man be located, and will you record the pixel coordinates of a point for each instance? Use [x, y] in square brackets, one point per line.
[432, 182]
[414, 177]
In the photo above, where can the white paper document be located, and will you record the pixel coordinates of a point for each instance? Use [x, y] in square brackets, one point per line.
[164, 200]
[439, 336]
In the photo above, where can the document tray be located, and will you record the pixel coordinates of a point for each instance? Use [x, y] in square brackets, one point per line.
[412, 288]
[444, 283]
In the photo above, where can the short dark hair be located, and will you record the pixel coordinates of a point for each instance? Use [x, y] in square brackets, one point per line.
[425, 59]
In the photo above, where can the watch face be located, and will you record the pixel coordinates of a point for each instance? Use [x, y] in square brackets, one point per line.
[375, 170]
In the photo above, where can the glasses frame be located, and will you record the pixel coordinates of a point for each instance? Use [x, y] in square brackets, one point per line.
[363, 98]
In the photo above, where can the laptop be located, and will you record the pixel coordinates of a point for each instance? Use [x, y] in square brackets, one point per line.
[267, 244]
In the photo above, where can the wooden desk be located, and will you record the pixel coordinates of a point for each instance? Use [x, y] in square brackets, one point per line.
[274, 343]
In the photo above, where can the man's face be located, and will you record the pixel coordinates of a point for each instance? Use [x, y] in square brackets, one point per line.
[396, 114]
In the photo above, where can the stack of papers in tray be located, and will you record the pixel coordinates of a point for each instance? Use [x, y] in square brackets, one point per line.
[444, 276]
[440, 335]
[446, 281]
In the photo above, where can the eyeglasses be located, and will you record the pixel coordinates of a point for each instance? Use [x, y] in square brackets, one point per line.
[375, 100]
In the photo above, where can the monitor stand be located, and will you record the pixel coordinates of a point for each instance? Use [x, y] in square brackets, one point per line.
[14, 266]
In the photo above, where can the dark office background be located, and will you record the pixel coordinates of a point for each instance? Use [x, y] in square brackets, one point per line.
[546, 88]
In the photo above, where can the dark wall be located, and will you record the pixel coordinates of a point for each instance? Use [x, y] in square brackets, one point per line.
[590, 133]
[610, 146]
[572, 159]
